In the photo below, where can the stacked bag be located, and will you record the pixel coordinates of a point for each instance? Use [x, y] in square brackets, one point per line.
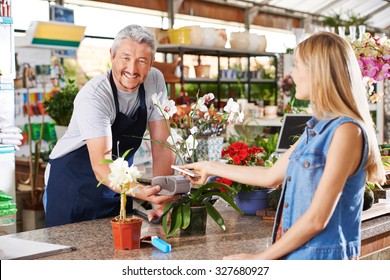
[9, 134]
[7, 207]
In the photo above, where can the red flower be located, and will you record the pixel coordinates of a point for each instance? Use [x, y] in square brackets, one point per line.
[238, 153]
[224, 181]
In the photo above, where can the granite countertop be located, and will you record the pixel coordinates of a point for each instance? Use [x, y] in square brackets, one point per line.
[249, 234]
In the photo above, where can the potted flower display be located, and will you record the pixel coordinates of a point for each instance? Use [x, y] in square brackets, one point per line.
[248, 198]
[192, 208]
[373, 54]
[203, 120]
[126, 231]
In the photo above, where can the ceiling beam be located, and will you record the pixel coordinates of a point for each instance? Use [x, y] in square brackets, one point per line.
[326, 7]
[267, 16]
[379, 9]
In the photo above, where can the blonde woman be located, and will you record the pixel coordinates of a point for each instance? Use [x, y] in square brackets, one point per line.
[324, 173]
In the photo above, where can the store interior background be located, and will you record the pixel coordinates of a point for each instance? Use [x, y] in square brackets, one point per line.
[104, 20]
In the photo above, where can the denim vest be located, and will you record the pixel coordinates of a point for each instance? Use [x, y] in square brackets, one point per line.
[341, 237]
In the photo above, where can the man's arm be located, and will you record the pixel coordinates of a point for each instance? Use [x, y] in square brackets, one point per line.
[162, 157]
[98, 149]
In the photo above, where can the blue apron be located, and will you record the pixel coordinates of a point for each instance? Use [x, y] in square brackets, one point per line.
[72, 195]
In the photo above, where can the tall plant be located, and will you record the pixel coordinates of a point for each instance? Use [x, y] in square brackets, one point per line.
[60, 105]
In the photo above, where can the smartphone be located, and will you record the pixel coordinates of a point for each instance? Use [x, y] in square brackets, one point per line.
[185, 171]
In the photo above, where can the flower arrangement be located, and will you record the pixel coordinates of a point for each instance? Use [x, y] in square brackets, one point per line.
[373, 54]
[239, 153]
[122, 177]
[201, 120]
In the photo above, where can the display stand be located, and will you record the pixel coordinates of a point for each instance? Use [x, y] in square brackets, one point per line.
[7, 108]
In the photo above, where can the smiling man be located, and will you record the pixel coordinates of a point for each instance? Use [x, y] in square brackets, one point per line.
[111, 114]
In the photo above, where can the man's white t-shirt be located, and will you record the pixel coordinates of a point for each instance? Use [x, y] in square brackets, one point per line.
[94, 110]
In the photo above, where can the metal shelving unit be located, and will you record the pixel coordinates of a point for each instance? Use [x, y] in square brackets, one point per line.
[182, 50]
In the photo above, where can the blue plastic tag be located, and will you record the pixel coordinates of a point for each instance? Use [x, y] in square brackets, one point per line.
[161, 244]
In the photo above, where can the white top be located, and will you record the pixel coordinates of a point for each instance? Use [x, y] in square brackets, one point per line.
[94, 110]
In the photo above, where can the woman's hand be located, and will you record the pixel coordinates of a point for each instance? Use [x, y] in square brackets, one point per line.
[201, 169]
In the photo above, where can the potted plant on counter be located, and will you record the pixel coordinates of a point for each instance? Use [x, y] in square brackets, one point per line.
[126, 231]
[189, 213]
[202, 120]
[248, 198]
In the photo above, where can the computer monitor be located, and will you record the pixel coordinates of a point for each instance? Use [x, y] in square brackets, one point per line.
[292, 127]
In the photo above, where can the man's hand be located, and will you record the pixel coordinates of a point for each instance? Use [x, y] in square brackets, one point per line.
[149, 193]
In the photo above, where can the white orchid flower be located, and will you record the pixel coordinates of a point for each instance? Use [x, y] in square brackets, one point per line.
[122, 175]
[203, 101]
[203, 108]
[156, 97]
[191, 145]
[231, 117]
[201, 105]
[232, 106]
[208, 97]
[134, 173]
[175, 139]
[240, 117]
[167, 108]
[194, 130]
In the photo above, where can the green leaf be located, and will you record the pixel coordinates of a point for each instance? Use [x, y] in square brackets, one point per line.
[214, 214]
[176, 220]
[126, 153]
[167, 207]
[100, 182]
[210, 186]
[227, 198]
[186, 214]
[106, 161]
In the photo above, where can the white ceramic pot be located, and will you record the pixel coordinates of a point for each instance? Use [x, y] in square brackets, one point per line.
[239, 40]
[196, 36]
[254, 42]
[271, 111]
[209, 37]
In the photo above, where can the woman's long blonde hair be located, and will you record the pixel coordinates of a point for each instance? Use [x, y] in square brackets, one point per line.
[337, 89]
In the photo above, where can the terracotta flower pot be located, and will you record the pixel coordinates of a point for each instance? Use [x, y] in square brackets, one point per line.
[126, 234]
[202, 71]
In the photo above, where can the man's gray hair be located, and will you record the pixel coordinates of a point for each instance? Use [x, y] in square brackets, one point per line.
[136, 33]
